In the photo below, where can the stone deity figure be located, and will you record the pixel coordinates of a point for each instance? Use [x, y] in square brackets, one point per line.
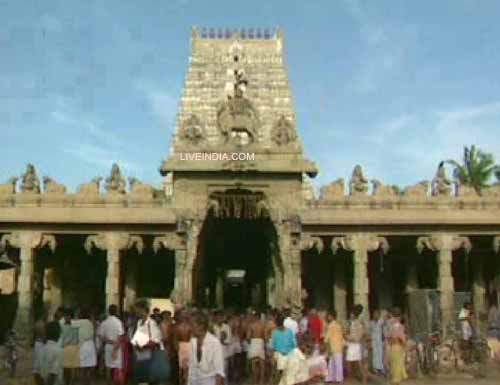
[115, 182]
[441, 184]
[358, 185]
[30, 180]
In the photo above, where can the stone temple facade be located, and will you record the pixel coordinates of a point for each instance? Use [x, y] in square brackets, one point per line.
[237, 197]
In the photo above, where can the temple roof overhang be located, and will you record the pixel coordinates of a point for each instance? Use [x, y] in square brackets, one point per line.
[297, 166]
[337, 216]
[88, 215]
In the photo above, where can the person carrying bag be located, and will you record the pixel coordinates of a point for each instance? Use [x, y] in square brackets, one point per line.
[151, 362]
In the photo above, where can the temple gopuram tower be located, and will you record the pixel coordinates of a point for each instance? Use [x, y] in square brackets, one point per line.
[236, 151]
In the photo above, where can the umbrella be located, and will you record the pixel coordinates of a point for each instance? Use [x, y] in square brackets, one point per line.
[6, 263]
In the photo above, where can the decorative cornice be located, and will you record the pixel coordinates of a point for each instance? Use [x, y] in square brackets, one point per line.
[441, 242]
[28, 239]
[114, 241]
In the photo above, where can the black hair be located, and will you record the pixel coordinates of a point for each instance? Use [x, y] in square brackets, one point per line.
[53, 331]
[113, 310]
[202, 320]
[280, 319]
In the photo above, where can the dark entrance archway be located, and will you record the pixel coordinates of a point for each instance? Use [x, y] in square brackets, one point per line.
[237, 252]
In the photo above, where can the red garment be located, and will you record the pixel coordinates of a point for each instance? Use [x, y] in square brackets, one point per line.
[315, 326]
[120, 376]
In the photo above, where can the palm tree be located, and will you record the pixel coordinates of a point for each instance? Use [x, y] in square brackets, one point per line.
[476, 169]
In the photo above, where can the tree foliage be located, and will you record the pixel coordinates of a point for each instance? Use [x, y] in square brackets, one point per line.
[476, 168]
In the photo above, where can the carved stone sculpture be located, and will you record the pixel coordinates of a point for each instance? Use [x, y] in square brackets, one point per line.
[283, 132]
[192, 130]
[334, 190]
[9, 188]
[382, 190]
[308, 190]
[213, 207]
[309, 242]
[491, 191]
[30, 181]
[420, 189]
[91, 188]
[237, 119]
[441, 184]
[50, 186]
[262, 209]
[466, 191]
[115, 183]
[358, 185]
[138, 188]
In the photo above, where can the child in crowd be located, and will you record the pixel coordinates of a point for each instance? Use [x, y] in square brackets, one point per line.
[51, 364]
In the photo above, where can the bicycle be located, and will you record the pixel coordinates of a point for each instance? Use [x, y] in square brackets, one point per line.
[11, 357]
[428, 353]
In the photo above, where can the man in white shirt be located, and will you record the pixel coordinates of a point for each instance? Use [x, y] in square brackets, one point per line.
[207, 358]
[223, 332]
[110, 331]
[290, 323]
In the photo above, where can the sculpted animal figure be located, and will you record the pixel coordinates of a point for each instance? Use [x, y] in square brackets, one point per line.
[115, 183]
[358, 185]
[30, 182]
[380, 189]
[139, 188]
[52, 187]
[91, 188]
[421, 189]
[9, 187]
[333, 190]
[441, 184]
[492, 191]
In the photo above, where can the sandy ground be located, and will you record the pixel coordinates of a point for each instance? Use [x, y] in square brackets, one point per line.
[491, 380]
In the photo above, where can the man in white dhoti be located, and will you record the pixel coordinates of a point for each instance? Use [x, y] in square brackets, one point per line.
[223, 332]
[88, 353]
[110, 331]
[207, 358]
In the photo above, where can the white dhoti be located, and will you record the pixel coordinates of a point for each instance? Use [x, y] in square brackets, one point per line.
[354, 352]
[256, 349]
[236, 346]
[280, 361]
[88, 354]
[203, 381]
[112, 361]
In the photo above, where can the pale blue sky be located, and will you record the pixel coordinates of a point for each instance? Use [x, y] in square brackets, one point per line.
[393, 85]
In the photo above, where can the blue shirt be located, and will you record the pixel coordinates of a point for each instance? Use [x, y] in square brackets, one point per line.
[283, 341]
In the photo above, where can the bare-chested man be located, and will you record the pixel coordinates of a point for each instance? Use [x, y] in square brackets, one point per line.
[238, 361]
[182, 335]
[270, 325]
[256, 335]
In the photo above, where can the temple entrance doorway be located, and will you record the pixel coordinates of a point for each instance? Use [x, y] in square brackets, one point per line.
[237, 256]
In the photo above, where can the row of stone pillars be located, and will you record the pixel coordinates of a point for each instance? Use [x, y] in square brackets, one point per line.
[361, 244]
[115, 244]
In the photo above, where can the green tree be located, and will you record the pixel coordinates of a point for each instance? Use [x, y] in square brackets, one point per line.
[476, 168]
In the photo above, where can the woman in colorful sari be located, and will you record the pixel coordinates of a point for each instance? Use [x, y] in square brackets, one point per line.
[335, 341]
[397, 344]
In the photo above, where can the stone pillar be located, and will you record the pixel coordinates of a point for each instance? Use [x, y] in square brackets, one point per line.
[340, 290]
[479, 290]
[360, 244]
[290, 252]
[27, 242]
[130, 285]
[177, 242]
[444, 245]
[114, 243]
[52, 291]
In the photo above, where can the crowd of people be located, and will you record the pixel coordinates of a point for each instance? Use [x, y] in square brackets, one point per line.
[213, 347]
